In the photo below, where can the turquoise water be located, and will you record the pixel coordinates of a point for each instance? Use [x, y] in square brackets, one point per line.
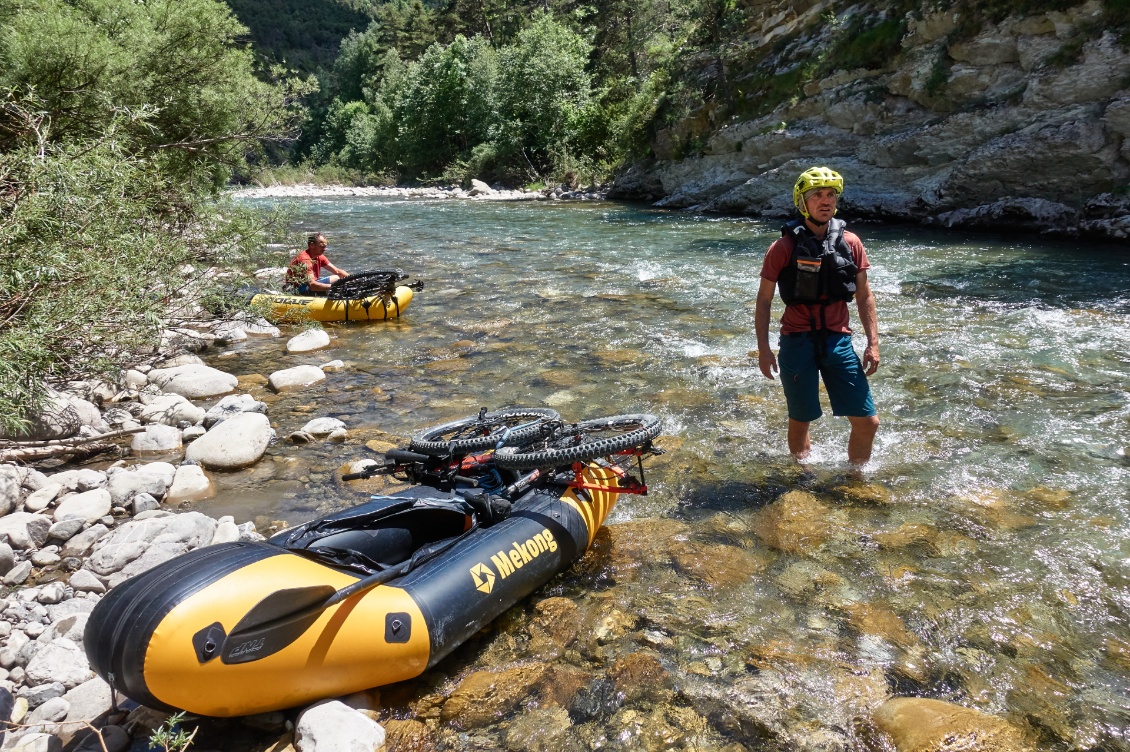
[980, 559]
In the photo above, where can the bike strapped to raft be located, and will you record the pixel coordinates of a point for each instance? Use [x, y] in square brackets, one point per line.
[380, 284]
[483, 456]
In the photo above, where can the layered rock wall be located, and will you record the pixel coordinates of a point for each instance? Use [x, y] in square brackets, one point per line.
[1020, 124]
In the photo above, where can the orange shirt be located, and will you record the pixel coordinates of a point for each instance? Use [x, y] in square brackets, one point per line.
[799, 317]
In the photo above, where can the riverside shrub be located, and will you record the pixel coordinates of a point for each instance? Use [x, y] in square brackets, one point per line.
[119, 122]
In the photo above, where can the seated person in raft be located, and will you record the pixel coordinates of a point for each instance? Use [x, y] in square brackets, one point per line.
[306, 273]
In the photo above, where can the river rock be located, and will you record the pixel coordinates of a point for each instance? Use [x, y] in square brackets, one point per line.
[295, 378]
[797, 522]
[479, 188]
[142, 544]
[228, 332]
[61, 661]
[157, 438]
[71, 627]
[226, 531]
[322, 426]
[7, 558]
[169, 410]
[540, 730]
[80, 480]
[144, 502]
[917, 724]
[39, 500]
[89, 701]
[331, 726]
[176, 360]
[25, 530]
[193, 381]
[232, 405]
[124, 484]
[260, 327]
[84, 581]
[65, 530]
[81, 544]
[163, 470]
[191, 483]
[308, 341]
[36, 742]
[18, 574]
[716, 564]
[89, 506]
[638, 675]
[237, 442]
[484, 697]
[53, 710]
[60, 417]
[134, 380]
[9, 488]
[554, 626]
[409, 735]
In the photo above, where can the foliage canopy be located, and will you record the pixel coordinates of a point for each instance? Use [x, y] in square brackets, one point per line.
[119, 122]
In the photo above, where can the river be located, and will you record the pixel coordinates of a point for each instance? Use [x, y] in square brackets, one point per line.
[983, 558]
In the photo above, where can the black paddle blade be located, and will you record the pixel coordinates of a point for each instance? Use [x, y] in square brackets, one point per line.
[275, 622]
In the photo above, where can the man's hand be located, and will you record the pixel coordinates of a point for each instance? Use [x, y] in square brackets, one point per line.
[767, 362]
[870, 359]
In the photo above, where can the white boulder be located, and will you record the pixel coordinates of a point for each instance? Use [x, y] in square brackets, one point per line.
[235, 443]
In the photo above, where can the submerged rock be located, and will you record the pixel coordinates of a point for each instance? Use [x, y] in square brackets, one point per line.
[916, 724]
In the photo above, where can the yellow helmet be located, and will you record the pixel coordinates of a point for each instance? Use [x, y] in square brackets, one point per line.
[813, 178]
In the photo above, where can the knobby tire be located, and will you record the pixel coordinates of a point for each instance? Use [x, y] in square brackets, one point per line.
[450, 438]
[575, 445]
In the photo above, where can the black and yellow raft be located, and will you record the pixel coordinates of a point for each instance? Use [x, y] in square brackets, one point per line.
[248, 627]
[367, 296]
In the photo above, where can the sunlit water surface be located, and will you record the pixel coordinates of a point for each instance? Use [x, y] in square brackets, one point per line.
[983, 558]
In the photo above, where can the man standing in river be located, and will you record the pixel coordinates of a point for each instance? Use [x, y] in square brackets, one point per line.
[819, 267]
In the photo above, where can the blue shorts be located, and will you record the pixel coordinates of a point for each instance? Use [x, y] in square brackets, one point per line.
[304, 288]
[840, 368]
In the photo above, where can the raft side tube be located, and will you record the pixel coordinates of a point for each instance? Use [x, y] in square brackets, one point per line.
[503, 564]
[122, 623]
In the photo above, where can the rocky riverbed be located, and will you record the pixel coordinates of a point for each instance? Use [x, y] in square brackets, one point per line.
[578, 665]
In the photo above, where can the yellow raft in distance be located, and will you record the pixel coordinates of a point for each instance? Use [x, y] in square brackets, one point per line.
[287, 305]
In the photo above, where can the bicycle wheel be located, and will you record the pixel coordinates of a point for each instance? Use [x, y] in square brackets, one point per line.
[485, 431]
[579, 442]
[366, 284]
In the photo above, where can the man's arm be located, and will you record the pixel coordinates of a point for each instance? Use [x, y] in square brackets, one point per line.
[336, 270]
[762, 311]
[865, 300]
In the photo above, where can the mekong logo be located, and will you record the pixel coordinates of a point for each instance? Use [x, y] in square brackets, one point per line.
[482, 577]
[507, 561]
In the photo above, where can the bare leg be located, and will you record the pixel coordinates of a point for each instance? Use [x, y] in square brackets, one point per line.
[861, 439]
[799, 443]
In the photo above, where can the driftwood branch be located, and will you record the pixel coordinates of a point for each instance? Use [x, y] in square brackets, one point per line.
[25, 451]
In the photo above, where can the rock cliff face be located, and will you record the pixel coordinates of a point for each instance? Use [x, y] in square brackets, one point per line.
[1023, 123]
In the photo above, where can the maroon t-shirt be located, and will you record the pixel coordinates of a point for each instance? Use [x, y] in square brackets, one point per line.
[799, 317]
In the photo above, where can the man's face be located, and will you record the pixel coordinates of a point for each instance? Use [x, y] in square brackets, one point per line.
[821, 205]
[318, 247]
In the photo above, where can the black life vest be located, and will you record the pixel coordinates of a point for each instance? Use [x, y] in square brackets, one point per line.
[817, 272]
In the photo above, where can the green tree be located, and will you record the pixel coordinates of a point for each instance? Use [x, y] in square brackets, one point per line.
[446, 106]
[119, 121]
[181, 58]
[544, 92]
